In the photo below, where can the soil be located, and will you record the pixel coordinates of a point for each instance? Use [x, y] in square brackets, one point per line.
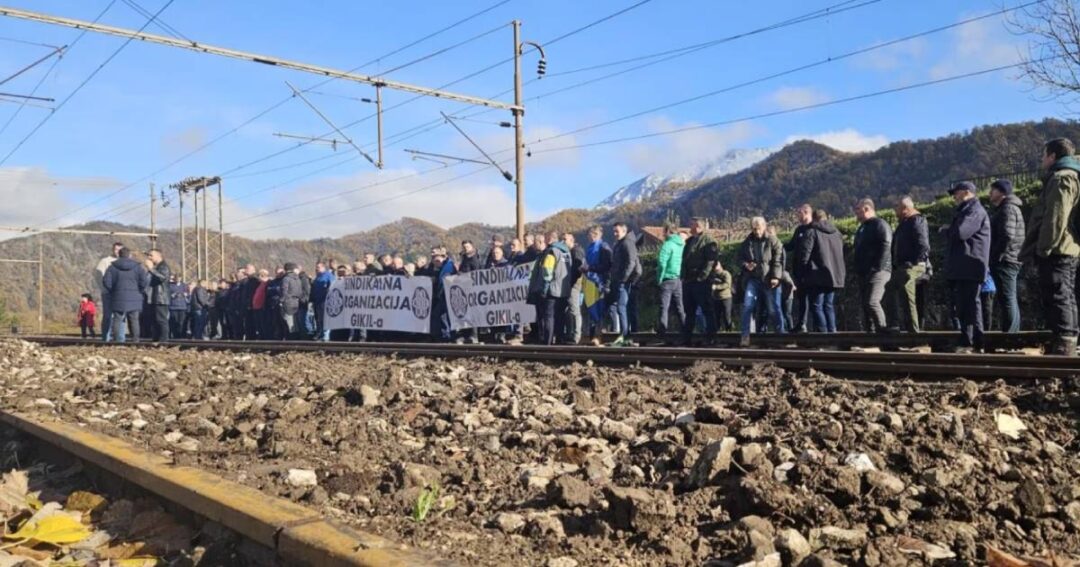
[532, 464]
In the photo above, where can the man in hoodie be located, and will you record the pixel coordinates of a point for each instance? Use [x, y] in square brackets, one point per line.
[159, 293]
[910, 253]
[967, 261]
[760, 256]
[549, 286]
[320, 287]
[668, 274]
[873, 265]
[1006, 239]
[126, 281]
[625, 271]
[699, 256]
[99, 276]
[292, 295]
[1052, 242]
[824, 272]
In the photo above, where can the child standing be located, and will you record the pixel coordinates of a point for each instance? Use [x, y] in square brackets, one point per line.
[87, 310]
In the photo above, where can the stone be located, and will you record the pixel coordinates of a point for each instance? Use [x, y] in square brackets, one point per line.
[545, 526]
[860, 462]
[639, 509]
[43, 403]
[770, 560]
[537, 477]
[301, 478]
[891, 420]
[295, 408]
[831, 431]
[415, 475]
[369, 397]
[937, 477]
[616, 430]
[832, 537]
[508, 522]
[139, 424]
[713, 412]
[792, 546]
[569, 492]
[757, 523]
[1032, 498]
[562, 562]
[189, 445]
[750, 456]
[885, 482]
[1072, 512]
[173, 437]
[714, 460]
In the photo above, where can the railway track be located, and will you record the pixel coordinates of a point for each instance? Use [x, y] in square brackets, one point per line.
[863, 364]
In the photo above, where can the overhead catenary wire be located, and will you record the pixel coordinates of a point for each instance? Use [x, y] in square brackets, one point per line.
[161, 24]
[268, 109]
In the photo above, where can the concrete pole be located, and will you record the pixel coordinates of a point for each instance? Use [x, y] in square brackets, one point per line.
[221, 227]
[41, 284]
[153, 216]
[519, 134]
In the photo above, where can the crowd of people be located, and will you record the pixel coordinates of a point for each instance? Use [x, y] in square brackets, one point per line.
[580, 291]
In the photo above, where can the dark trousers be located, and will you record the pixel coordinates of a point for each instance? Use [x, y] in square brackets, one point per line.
[161, 322]
[198, 324]
[800, 319]
[968, 309]
[871, 292]
[320, 318]
[723, 314]
[106, 316]
[670, 290]
[632, 308]
[1057, 279]
[698, 295]
[86, 325]
[236, 324]
[1007, 300]
[251, 325]
[550, 316]
[177, 321]
[986, 304]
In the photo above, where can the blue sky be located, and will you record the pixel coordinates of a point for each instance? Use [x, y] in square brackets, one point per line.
[153, 104]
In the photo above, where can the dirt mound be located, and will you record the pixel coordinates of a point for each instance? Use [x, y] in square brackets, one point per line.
[512, 463]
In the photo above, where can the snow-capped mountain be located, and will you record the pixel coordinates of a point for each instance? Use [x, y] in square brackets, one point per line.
[730, 162]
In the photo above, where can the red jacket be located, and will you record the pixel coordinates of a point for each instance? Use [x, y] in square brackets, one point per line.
[86, 309]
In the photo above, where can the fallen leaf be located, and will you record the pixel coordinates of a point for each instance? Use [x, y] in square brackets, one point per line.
[1009, 425]
[96, 540]
[26, 552]
[56, 530]
[85, 501]
[122, 551]
[14, 487]
[998, 558]
[137, 562]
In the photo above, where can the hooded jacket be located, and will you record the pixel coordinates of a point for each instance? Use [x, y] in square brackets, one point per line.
[1051, 230]
[469, 263]
[967, 248]
[873, 242]
[625, 265]
[1006, 231]
[911, 242]
[125, 280]
[766, 253]
[292, 293]
[699, 258]
[825, 266]
[552, 275]
[669, 261]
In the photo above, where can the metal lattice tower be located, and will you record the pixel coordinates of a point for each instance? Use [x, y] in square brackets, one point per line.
[202, 251]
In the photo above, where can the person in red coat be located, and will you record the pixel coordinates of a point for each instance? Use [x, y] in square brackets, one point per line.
[87, 311]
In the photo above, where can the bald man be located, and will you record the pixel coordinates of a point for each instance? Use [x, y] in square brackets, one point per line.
[910, 252]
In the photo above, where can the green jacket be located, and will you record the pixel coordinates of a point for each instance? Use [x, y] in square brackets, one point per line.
[698, 258]
[721, 285]
[669, 263]
[1050, 230]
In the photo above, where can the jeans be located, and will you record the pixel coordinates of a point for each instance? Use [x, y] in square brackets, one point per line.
[821, 301]
[698, 295]
[1057, 277]
[119, 329]
[198, 325]
[903, 306]
[621, 295]
[670, 290]
[632, 308]
[871, 290]
[758, 290]
[106, 316]
[1005, 276]
[965, 300]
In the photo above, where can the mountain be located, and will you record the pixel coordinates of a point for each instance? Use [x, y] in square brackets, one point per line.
[643, 189]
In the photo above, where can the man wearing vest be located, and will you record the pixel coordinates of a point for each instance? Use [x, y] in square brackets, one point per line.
[549, 288]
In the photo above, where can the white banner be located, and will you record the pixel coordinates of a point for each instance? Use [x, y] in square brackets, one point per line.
[494, 297]
[382, 303]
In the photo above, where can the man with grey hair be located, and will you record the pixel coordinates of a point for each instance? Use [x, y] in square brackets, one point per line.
[872, 263]
[910, 253]
[760, 256]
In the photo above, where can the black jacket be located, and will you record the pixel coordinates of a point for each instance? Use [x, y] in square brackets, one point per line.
[911, 242]
[578, 266]
[699, 256]
[625, 265]
[873, 241]
[159, 284]
[967, 248]
[800, 247]
[305, 288]
[825, 265]
[200, 299]
[125, 280]
[469, 263]
[1006, 232]
[292, 292]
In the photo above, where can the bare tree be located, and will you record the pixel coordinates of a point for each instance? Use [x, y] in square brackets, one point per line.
[1052, 61]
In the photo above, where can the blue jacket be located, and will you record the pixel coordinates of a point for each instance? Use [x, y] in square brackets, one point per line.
[178, 297]
[125, 280]
[321, 286]
[967, 248]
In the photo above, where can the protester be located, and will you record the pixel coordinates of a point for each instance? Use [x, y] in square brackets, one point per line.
[549, 288]
[292, 296]
[125, 281]
[721, 283]
[787, 289]
[825, 272]
[1051, 243]
[759, 256]
[571, 333]
[106, 301]
[800, 250]
[625, 271]
[496, 243]
[668, 274]
[85, 316]
[470, 262]
[179, 305]
[967, 261]
[158, 293]
[273, 321]
[304, 327]
[872, 262]
[910, 252]
[219, 313]
[324, 277]
[1006, 239]
[201, 304]
[699, 256]
[596, 284]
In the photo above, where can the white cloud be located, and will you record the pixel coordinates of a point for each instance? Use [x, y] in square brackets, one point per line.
[847, 140]
[975, 46]
[684, 149]
[184, 141]
[484, 197]
[795, 97]
[32, 195]
[894, 56]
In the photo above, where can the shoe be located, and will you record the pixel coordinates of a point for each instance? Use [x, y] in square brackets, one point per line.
[619, 342]
[595, 341]
[964, 350]
[744, 341]
[1062, 346]
[514, 341]
[459, 341]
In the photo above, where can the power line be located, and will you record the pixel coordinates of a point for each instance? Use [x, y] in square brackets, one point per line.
[444, 50]
[272, 108]
[79, 88]
[161, 24]
[25, 42]
[283, 167]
